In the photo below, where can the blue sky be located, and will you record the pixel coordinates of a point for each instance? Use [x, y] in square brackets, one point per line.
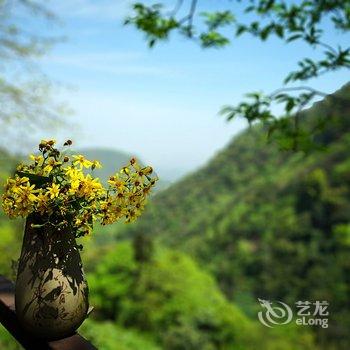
[159, 104]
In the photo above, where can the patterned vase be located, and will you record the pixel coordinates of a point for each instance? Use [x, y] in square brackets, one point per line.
[51, 295]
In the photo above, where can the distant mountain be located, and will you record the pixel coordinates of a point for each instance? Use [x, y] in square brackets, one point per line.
[269, 223]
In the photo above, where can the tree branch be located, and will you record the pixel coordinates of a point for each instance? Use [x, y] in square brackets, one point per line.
[189, 17]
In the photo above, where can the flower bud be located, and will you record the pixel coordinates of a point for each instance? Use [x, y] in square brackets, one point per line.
[68, 143]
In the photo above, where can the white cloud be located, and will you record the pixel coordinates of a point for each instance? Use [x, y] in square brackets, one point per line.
[98, 57]
[114, 63]
[98, 10]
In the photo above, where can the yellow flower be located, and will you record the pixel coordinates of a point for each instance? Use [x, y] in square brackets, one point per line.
[19, 197]
[53, 191]
[76, 176]
[74, 185]
[125, 170]
[111, 212]
[26, 194]
[131, 216]
[7, 205]
[37, 159]
[96, 164]
[73, 172]
[18, 180]
[78, 222]
[137, 178]
[82, 161]
[51, 163]
[42, 203]
[89, 187]
[116, 182]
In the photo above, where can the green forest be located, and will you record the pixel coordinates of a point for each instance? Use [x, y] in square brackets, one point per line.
[254, 222]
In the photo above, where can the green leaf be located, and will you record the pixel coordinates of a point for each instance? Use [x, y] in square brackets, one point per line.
[240, 30]
[34, 179]
[279, 31]
[290, 105]
[293, 37]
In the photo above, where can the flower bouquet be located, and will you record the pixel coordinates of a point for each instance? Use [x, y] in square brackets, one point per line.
[61, 200]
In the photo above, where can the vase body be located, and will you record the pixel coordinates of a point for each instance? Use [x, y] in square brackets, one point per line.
[51, 294]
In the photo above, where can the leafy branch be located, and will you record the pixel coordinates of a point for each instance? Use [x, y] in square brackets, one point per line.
[286, 20]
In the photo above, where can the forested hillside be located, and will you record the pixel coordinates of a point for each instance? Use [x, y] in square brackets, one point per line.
[268, 223]
[11, 238]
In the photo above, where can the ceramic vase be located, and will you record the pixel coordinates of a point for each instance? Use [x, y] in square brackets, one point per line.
[51, 294]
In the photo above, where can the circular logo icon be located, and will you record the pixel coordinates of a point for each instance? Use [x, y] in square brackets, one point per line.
[274, 314]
